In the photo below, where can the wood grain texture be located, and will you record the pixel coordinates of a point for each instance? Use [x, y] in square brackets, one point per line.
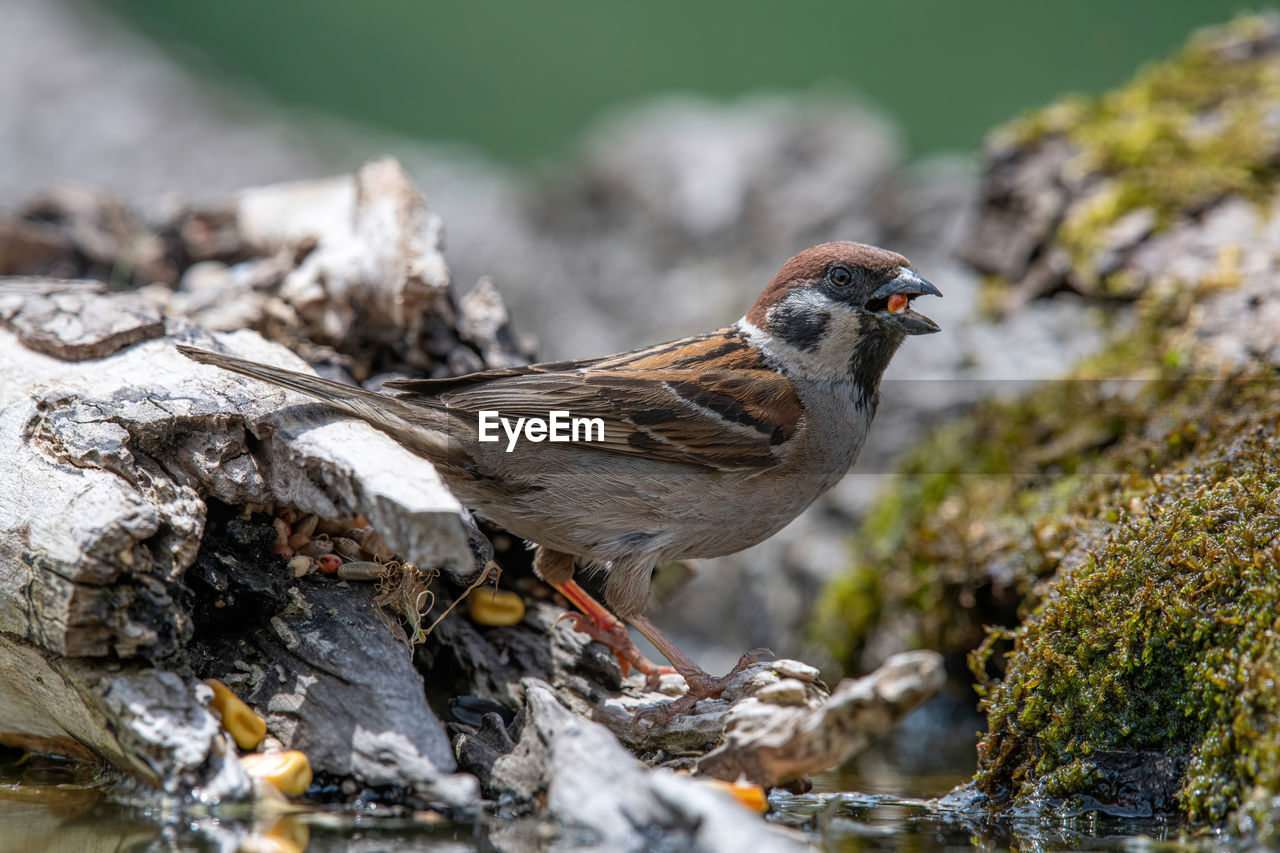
[106, 464]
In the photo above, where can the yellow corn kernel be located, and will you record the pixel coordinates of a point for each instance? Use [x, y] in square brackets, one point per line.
[495, 607]
[238, 718]
[751, 796]
[288, 771]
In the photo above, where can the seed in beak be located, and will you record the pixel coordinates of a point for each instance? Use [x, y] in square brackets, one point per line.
[898, 303]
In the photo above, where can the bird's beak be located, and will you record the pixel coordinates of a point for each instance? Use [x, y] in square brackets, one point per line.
[904, 319]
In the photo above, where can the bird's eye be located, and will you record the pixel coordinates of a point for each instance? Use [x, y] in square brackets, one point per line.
[840, 275]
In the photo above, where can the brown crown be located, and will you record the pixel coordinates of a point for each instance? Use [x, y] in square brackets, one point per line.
[811, 265]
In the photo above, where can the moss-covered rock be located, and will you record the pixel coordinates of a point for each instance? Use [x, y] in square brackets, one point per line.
[1074, 187]
[1182, 135]
[1108, 545]
[1159, 632]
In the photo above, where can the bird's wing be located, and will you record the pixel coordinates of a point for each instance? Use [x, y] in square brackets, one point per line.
[421, 390]
[707, 401]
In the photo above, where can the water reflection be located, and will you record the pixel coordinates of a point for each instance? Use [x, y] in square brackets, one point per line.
[51, 805]
[878, 822]
[899, 795]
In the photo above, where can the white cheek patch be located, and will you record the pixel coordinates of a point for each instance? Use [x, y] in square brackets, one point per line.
[828, 355]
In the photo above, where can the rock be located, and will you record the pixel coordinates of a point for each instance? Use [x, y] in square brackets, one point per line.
[1105, 527]
[1062, 208]
[332, 679]
[595, 793]
[1022, 202]
[1072, 717]
[150, 724]
[1121, 237]
[1068, 192]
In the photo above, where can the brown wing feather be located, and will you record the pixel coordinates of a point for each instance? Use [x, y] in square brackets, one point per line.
[728, 412]
[413, 390]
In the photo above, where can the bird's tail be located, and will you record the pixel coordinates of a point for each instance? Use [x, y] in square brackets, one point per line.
[412, 426]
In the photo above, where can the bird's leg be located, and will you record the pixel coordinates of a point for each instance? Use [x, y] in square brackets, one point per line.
[556, 568]
[701, 685]
[601, 625]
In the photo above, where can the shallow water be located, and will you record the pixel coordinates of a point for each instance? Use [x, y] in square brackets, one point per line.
[893, 797]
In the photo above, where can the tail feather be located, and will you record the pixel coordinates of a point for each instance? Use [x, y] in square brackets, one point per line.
[410, 425]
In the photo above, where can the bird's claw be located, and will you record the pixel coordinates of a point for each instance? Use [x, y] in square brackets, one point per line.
[618, 639]
[701, 686]
[657, 716]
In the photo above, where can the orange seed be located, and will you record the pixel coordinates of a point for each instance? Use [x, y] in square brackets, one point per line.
[245, 726]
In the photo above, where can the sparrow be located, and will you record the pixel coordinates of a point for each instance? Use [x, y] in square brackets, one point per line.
[710, 444]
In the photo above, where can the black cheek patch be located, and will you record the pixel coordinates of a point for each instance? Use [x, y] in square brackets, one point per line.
[800, 327]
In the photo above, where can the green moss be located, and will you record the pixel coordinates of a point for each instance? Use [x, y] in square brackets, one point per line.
[1181, 135]
[1164, 638]
[987, 505]
[1132, 527]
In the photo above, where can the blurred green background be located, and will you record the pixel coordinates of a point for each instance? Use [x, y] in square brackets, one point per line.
[520, 78]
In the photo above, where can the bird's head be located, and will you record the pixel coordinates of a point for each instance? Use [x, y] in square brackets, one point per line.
[840, 309]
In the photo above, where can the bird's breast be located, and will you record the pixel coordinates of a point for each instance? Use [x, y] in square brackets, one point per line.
[837, 419]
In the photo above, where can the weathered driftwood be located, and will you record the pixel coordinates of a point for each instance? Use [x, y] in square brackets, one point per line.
[569, 768]
[108, 464]
[111, 459]
[370, 274]
[347, 270]
[330, 676]
[780, 734]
